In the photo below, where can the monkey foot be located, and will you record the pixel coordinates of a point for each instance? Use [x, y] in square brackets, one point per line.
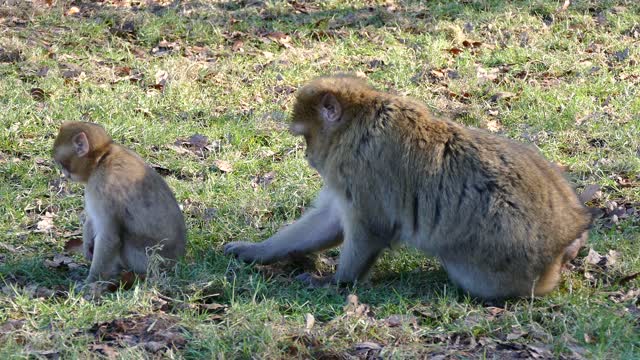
[316, 281]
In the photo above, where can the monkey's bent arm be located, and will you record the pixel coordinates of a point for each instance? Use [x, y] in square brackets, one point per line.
[88, 237]
[106, 254]
[318, 229]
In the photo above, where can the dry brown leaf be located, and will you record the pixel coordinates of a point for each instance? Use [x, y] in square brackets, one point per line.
[471, 44]
[223, 166]
[164, 47]
[178, 149]
[38, 94]
[502, 96]
[280, 38]
[263, 180]
[107, 350]
[309, 321]
[494, 126]
[454, 51]
[603, 261]
[60, 260]
[399, 320]
[238, 46]
[161, 80]
[153, 346]
[487, 74]
[626, 279]
[74, 10]
[152, 332]
[355, 308]
[367, 345]
[45, 223]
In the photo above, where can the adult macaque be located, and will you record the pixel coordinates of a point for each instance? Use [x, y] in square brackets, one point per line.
[131, 212]
[501, 219]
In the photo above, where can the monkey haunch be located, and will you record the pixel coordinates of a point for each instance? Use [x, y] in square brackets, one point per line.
[501, 219]
[130, 209]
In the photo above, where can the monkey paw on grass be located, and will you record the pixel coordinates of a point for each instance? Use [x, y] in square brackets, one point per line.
[249, 252]
[317, 281]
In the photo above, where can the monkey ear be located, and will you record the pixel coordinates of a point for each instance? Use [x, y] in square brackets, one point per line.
[330, 108]
[80, 144]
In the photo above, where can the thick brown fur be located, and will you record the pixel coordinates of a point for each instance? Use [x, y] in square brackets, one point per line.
[130, 209]
[501, 219]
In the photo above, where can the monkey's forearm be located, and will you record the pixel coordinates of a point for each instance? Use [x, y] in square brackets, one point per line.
[106, 258]
[318, 229]
[88, 237]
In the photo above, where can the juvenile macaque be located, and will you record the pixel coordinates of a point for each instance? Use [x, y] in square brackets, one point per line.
[500, 218]
[130, 210]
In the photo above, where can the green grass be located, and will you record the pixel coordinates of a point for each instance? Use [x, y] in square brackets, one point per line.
[575, 76]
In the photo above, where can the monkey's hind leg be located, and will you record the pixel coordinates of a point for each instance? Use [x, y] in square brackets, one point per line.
[550, 278]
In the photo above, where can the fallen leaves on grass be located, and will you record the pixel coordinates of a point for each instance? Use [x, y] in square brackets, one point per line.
[367, 350]
[263, 180]
[278, 37]
[205, 306]
[125, 73]
[625, 279]
[454, 51]
[10, 56]
[74, 10]
[197, 144]
[222, 166]
[13, 329]
[600, 267]
[590, 192]
[38, 94]
[355, 308]
[603, 261]
[45, 223]
[161, 78]
[153, 333]
[400, 320]
[487, 74]
[62, 261]
[494, 126]
[309, 321]
[503, 95]
[164, 48]
[614, 212]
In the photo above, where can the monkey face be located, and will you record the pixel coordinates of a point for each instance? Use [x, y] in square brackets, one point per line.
[316, 121]
[70, 152]
[62, 158]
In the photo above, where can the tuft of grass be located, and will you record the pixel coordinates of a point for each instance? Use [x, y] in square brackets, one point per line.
[565, 81]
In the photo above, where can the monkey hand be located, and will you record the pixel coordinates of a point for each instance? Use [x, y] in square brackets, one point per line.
[94, 290]
[317, 281]
[248, 252]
